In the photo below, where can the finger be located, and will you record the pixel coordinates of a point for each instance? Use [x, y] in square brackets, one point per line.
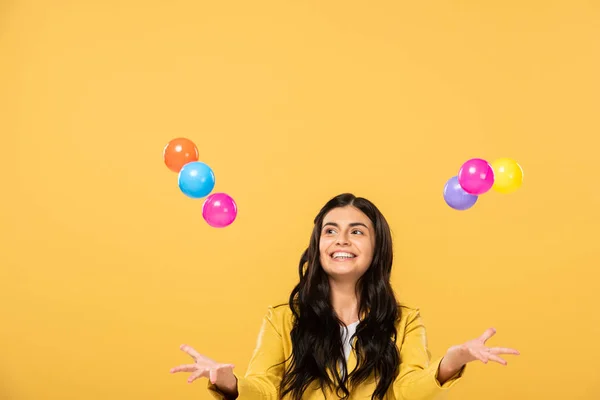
[198, 374]
[213, 375]
[478, 355]
[497, 359]
[185, 368]
[504, 350]
[190, 350]
[487, 334]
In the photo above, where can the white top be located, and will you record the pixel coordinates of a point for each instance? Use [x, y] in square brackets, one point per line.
[346, 333]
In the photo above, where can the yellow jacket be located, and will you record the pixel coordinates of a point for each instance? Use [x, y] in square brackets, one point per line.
[417, 379]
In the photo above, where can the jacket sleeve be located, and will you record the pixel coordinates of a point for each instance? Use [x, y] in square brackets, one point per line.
[418, 377]
[265, 370]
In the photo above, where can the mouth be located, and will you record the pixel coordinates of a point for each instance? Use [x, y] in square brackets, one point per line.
[342, 256]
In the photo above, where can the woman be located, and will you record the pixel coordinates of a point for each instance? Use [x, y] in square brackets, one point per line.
[343, 333]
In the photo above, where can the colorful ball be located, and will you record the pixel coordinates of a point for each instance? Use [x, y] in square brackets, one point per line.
[508, 175]
[456, 197]
[476, 176]
[219, 210]
[179, 152]
[196, 179]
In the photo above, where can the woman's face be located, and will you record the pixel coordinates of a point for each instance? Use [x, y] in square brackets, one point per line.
[347, 243]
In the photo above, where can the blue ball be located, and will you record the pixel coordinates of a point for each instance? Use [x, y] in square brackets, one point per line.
[196, 180]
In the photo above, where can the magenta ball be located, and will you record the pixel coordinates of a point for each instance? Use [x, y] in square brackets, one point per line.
[476, 176]
[219, 210]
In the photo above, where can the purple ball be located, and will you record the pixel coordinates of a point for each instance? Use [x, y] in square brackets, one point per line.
[456, 197]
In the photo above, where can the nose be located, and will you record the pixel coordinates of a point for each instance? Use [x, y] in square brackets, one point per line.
[342, 240]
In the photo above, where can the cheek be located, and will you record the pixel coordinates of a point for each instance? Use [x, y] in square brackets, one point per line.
[324, 245]
[367, 248]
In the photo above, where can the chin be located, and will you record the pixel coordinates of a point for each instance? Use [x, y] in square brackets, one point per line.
[341, 269]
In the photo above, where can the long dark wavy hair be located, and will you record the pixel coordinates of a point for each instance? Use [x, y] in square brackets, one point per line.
[316, 340]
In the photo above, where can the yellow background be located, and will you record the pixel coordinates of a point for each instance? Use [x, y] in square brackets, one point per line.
[106, 268]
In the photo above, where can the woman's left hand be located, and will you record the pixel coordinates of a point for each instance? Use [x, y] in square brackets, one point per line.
[475, 349]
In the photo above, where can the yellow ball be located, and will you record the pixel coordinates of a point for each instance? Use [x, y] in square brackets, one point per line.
[508, 175]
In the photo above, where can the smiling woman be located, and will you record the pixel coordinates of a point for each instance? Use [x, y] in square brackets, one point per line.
[343, 333]
[346, 244]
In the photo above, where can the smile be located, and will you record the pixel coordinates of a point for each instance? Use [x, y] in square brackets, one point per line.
[342, 256]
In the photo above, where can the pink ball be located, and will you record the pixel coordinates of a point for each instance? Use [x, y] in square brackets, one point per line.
[476, 176]
[219, 210]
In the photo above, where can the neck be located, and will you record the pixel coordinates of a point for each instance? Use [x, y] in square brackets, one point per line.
[344, 301]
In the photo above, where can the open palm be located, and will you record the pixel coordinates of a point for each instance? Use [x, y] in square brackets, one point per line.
[204, 367]
[476, 349]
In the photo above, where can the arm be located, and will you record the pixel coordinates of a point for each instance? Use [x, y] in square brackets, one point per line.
[448, 371]
[263, 376]
[419, 378]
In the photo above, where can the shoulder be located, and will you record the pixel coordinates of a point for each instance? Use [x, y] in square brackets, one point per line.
[281, 310]
[280, 316]
[408, 315]
[405, 310]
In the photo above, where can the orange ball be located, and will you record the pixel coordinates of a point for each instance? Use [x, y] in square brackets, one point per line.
[179, 152]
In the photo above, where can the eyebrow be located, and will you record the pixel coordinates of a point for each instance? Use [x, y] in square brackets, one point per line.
[352, 224]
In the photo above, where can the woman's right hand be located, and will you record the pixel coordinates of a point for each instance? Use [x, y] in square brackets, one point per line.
[221, 375]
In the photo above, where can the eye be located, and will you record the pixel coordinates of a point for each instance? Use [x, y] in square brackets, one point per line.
[357, 231]
[328, 231]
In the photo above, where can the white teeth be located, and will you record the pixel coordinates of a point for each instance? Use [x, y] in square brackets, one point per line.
[341, 254]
